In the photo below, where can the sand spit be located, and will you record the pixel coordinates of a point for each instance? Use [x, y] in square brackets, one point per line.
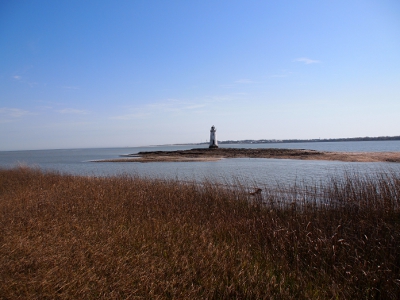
[160, 158]
[220, 153]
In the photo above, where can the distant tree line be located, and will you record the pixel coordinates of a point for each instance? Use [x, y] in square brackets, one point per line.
[355, 139]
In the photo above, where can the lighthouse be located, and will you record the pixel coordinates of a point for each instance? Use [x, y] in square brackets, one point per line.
[213, 138]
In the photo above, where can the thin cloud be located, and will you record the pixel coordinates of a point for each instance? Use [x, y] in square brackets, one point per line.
[14, 112]
[221, 98]
[132, 116]
[72, 111]
[8, 115]
[71, 87]
[227, 86]
[307, 61]
[236, 82]
[32, 84]
[195, 106]
[24, 81]
[173, 105]
[244, 81]
[164, 107]
[282, 74]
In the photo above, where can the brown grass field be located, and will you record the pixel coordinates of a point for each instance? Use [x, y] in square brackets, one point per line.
[73, 237]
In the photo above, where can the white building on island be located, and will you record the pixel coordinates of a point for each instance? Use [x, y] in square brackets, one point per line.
[213, 138]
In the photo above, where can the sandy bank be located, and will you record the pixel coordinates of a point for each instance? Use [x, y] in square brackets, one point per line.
[145, 159]
[216, 154]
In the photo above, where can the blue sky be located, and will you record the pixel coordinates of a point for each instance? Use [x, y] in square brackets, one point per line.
[77, 74]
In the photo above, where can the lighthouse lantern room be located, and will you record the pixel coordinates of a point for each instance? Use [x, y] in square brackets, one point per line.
[213, 138]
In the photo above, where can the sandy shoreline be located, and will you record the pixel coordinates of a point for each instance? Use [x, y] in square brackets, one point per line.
[161, 159]
[220, 153]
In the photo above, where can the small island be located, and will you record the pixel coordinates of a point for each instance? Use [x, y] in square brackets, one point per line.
[214, 154]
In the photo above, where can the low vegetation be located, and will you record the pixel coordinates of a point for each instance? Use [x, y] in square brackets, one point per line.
[72, 237]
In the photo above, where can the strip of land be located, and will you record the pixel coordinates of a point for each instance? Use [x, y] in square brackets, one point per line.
[205, 154]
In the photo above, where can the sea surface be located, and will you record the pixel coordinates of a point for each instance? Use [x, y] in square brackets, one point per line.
[255, 171]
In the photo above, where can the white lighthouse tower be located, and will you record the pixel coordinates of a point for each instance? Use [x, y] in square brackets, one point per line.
[213, 138]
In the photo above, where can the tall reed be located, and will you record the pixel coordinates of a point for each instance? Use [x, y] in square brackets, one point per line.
[69, 237]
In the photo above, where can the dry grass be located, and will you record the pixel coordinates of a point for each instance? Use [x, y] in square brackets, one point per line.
[70, 237]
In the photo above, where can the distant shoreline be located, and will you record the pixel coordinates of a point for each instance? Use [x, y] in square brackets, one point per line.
[274, 141]
[205, 154]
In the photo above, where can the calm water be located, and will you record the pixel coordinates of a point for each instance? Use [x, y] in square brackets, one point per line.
[256, 170]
